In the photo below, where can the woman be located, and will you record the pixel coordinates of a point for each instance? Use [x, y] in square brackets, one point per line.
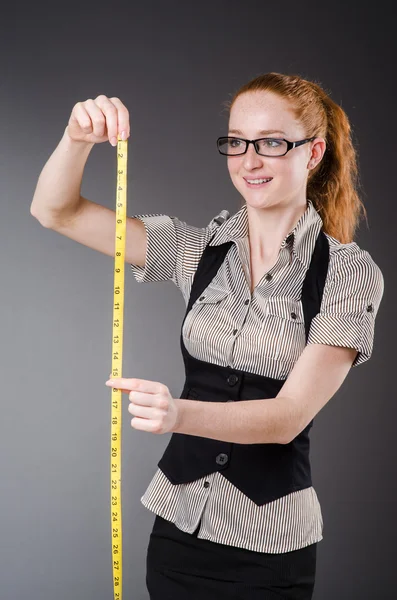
[281, 303]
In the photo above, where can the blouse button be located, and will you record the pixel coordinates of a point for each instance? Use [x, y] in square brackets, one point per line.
[293, 315]
[246, 302]
[234, 331]
[268, 277]
[222, 459]
[206, 484]
[201, 297]
[232, 379]
[370, 308]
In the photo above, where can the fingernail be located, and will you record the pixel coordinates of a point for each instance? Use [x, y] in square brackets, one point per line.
[110, 382]
[113, 141]
[123, 135]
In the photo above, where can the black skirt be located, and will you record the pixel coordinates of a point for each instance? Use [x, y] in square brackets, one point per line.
[181, 566]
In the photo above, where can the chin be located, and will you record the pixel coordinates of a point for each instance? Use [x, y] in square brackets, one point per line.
[260, 203]
[257, 198]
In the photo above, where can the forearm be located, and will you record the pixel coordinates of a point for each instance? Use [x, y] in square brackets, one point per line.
[58, 187]
[272, 420]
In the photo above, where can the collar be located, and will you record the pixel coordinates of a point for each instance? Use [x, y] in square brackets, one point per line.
[303, 236]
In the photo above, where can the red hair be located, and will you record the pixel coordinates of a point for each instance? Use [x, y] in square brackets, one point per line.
[333, 184]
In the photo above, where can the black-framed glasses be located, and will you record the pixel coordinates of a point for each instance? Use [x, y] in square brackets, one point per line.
[233, 146]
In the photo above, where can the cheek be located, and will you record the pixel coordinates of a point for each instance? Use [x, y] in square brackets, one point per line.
[292, 173]
[231, 167]
[234, 168]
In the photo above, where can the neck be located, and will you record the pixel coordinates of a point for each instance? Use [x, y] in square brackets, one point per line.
[270, 225]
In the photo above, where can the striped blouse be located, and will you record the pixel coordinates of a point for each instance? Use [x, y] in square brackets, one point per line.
[268, 341]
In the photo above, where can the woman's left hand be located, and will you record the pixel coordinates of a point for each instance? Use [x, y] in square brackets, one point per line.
[151, 403]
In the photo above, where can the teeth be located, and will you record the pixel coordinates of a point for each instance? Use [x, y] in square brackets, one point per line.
[257, 180]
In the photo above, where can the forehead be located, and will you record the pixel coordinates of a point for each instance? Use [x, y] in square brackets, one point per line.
[256, 111]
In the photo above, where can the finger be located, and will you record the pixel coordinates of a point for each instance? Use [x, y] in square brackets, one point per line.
[123, 117]
[97, 118]
[121, 389]
[144, 412]
[111, 117]
[146, 425]
[81, 116]
[125, 391]
[140, 385]
[144, 399]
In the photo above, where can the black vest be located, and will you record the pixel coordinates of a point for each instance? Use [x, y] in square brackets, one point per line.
[263, 472]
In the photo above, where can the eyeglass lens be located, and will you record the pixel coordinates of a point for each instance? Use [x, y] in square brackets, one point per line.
[266, 146]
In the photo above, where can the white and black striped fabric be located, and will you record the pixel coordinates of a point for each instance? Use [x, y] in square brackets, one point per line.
[268, 341]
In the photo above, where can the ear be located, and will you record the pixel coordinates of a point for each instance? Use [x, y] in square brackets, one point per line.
[318, 149]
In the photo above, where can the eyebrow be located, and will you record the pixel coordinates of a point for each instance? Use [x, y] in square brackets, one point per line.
[263, 131]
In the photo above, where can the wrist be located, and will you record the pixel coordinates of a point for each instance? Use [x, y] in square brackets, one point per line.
[179, 405]
[73, 145]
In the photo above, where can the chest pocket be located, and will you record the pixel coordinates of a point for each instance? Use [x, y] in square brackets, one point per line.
[284, 328]
[201, 319]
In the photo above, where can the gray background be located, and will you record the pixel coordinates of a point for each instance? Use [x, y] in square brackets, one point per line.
[172, 64]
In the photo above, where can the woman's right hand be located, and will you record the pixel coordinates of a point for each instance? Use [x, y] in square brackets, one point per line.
[99, 120]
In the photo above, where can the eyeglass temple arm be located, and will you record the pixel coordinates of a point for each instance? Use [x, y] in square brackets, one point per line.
[295, 144]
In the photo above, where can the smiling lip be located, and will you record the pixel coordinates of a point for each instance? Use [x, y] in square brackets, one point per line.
[258, 185]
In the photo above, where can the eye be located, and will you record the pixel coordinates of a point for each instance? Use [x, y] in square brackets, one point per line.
[234, 143]
[271, 142]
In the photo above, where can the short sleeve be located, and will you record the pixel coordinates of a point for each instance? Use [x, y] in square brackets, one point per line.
[174, 249]
[351, 299]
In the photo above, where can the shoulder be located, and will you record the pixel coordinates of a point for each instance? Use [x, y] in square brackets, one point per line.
[351, 299]
[178, 233]
[349, 263]
[215, 222]
[174, 247]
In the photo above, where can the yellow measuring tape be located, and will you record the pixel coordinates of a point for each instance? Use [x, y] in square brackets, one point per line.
[117, 361]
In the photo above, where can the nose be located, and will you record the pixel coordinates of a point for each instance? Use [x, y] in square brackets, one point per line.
[251, 158]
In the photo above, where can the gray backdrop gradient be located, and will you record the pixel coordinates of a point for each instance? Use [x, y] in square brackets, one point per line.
[172, 64]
